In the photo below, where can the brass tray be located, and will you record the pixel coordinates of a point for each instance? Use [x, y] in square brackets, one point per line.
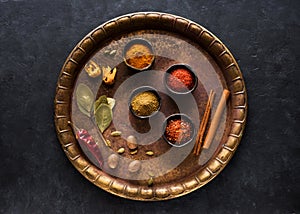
[175, 171]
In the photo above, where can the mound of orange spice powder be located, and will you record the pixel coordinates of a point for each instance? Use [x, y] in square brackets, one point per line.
[180, 80]
[139, 56]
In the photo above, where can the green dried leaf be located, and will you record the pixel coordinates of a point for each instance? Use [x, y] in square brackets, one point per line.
[103, 116]
[85, 99]
[101, 99]
[83, 111]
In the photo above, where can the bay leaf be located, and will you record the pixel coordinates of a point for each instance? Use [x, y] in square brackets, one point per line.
[101, 99]
[103, 116]
[83, 111]
[85, 99]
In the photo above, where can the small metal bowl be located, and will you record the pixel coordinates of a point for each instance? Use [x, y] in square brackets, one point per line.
[182, 117]
[142, 42]
[138, 91]
[177, 66]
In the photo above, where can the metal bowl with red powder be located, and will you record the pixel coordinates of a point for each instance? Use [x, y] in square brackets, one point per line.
[178, 130]
[180, 79]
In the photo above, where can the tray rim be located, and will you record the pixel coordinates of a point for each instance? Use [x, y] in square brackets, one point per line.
[162, 21]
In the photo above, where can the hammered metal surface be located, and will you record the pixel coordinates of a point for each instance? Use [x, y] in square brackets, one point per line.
[236, 117]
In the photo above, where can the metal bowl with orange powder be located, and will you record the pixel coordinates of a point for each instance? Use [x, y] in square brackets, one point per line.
[138, 54]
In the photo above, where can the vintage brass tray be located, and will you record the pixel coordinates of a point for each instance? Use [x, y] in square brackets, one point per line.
[169, 172]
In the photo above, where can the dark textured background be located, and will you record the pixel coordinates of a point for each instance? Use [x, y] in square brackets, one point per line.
[37, 36]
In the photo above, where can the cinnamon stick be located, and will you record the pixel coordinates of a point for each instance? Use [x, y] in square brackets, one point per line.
[216, 119]
[206, 119]
[203, 124]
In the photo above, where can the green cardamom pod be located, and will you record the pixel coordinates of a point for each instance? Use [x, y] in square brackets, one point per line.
[150, 153]
[116, 133]
[121, 150]
[150, 181]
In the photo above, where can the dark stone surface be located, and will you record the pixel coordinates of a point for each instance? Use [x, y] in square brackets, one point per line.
[36, 37]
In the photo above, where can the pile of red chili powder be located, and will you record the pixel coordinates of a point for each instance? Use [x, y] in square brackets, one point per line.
[178, 131]
[180, 80]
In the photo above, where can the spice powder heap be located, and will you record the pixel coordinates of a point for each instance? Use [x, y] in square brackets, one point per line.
[181, 80]
[145, 103]
[178, 131]
[139, 56]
